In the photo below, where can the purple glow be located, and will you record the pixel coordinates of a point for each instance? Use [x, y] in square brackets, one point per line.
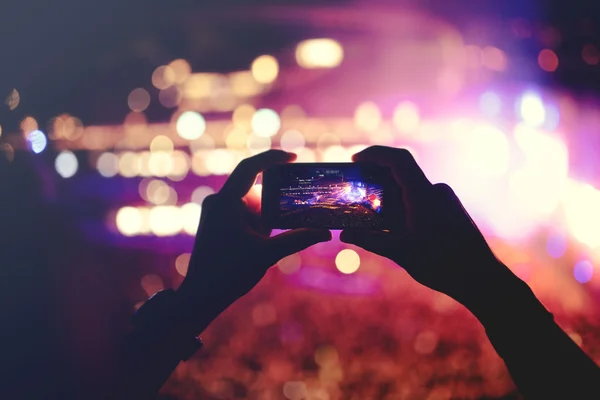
[490, 104]
[556, 245]
[583, 271]
[552, 117]
[336, 283]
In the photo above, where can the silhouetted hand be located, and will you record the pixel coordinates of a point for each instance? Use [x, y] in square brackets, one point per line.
[232, 251]
[439, 246]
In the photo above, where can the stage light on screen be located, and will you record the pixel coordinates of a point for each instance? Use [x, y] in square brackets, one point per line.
[129, 221]
[138, 100]
[490, 104]
[265, 68]
[182, 263]
[532, 109]
[292, 140]
[319, 53]
[265, 122]
[37, 141]
[582, 213]
[406, 117]
[108, 164]
[165, 220]
[190, 217]
[66, 164]
[583, 271]
[290, 264]
[347, 261]
[190, 125]
[367, 116]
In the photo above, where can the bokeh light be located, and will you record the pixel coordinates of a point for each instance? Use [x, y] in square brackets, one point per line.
[129, 221]
[556, 245]
[548, 60]
[182, 263]
[265, 122]
[242, 115]
[165, 220]
[37, 141]
[582, 212]
[170, 97]
[190, 125]
[163, 77]
[200, 193]
[532, 109]
[242, 85]
[265, 69]
[29, 124]
[220, 162]
[290, 264]
[347, 261]
[129, 164]
[406, 117]
[319, 53]
[13, 99]
[583, 271]
[258, 144]
[66, 164]
[590, 54]
[292, 140]
[107, 164]
[490, 104]
[181, 69]
[161, 144]
[138, 100]
[152, 283]
[367, 117]
[190, 215]
[157, 192]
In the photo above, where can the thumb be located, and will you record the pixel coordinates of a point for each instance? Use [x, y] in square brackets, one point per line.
[295, 240]
[382, 243]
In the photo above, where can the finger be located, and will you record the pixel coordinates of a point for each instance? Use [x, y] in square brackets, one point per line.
[243, 176]
[405, 169]
[381, 243]
[295, 240]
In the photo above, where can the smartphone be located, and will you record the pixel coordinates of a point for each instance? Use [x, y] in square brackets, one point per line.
[329, 195]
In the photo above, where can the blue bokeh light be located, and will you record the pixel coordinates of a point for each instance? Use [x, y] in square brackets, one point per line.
[583, 271]
[490, 104]
[37, 141]
[556, 246]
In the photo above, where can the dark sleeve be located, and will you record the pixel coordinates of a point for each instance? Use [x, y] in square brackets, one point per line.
[542, 359]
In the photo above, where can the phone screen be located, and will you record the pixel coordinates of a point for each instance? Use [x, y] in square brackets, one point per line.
[336, 195]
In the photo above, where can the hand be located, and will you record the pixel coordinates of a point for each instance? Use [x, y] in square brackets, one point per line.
[232, 250]
[440, 246]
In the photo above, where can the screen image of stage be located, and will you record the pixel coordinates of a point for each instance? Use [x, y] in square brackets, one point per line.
[330, 197]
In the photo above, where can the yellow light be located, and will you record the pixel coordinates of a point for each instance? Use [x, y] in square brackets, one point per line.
[190, 217]
[163, 77]
[107, 165]
[28, 125]
[181, 69]
[305, 156]
[265, 122]
[182, 263]
[160, 164]
[180, 165]
[243, 84]
[328, 139]
[152, 284]
[242, 115]
[258, 144]
[66, 164]
[138, 100]
[406, 117]
[295, 390]
[165, 220]
[487, 147]
[129, 221]
[367, 117]
[292, 140]
[67, 127]
[199, 86]
[319, 53]
[220, 162]
[347, 261]
[336, 154]
[135, 123]
[144, 162]
[582, 212]
[205, 142]
[265, 69]
[199, 163]
[161, 144]
[293, 112]
[290, 264]
[129, 164]
[200, 193]
[237, 138]
[190, 125]
[157, 192]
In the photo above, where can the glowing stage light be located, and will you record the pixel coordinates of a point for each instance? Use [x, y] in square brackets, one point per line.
[265, 68]
[582, 212]
[157, 192]
[160, 164]
[181, 69]
[129, 221]
[406, 117]
[242, 115]
[583, 271]
[347, 261]
[200, 193]
[180, 165]
[129, 164]
[165, 220]
[199, 86]
[66, 164]
[190, 217]
[161, 144]
[487, 150]
[319, 53]
[138, 100]
[265, 122]
[220, 162]
[367, 116]
[190, 125]
[292, 140]
[37, 141]
[532, 109]
[490, 104]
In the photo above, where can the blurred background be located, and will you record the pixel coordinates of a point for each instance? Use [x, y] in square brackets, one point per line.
[119, 118]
